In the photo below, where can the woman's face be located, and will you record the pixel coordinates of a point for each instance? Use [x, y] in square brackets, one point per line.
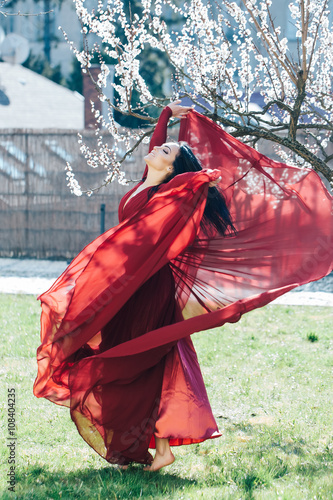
[162, 157]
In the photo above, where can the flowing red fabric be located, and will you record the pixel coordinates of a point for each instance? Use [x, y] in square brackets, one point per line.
[116, 325]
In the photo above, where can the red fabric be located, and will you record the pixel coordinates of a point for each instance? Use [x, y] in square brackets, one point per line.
[113, 320]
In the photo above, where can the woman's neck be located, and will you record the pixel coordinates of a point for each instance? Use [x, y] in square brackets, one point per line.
[154, 178]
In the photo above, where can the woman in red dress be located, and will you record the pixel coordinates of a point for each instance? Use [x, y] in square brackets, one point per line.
[116, 325]
[184, 413]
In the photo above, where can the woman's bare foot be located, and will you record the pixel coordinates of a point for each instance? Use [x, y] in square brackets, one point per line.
[161, 461]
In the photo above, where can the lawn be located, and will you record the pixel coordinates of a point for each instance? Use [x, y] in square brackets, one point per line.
[269, 378]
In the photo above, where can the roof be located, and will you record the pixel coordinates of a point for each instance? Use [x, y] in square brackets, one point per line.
[29, 100]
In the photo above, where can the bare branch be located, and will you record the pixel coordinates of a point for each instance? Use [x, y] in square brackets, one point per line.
[25, 14]
[305, 25]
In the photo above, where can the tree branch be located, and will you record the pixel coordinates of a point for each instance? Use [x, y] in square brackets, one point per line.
[293, 145]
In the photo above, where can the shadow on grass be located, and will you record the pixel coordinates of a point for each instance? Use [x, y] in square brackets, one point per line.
[259, 466]
[35, 482]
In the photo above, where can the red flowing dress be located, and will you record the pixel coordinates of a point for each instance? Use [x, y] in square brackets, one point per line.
[116, 325]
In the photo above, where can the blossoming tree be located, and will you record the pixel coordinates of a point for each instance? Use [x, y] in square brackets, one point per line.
[223, 55]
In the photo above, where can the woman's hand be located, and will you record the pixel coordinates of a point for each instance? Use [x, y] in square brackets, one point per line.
[179, 111]
[215, 183]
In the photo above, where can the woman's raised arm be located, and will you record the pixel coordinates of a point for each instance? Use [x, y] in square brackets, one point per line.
[160, 133]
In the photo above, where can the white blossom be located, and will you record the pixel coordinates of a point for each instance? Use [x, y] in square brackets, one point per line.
[223, 52]
[72, 183]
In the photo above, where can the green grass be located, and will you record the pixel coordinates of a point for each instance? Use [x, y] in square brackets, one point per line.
[269, 378]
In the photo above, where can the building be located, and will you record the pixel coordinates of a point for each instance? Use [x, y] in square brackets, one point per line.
[31, 101]
[33, 28]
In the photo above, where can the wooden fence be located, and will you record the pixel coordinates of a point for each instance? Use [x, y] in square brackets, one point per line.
[39, 217]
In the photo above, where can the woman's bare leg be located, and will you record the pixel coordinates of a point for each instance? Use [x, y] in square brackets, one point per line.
[163, 456]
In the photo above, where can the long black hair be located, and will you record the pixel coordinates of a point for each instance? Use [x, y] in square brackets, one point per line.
[216, 214]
